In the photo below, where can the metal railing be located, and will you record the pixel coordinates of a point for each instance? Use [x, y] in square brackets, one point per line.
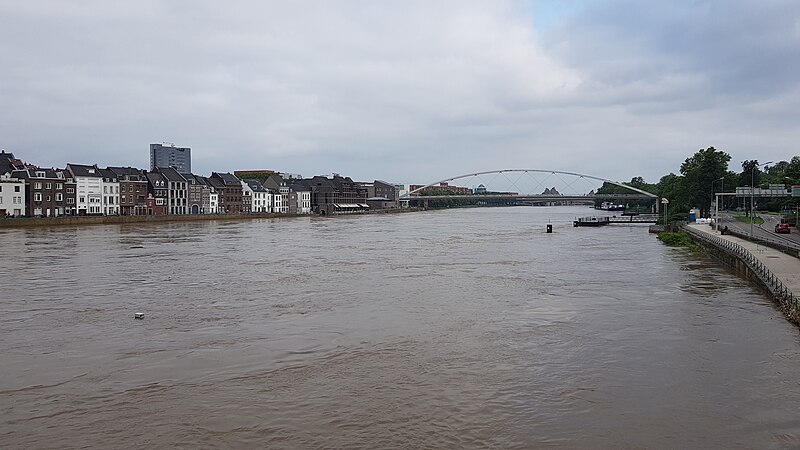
[785, 247]
[786, 299]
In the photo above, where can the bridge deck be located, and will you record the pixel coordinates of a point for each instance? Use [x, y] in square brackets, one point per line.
[528, 197]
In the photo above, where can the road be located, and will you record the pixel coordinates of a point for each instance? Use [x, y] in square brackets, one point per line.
[766, 231]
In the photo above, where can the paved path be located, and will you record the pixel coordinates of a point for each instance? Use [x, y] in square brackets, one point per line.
[783, 266]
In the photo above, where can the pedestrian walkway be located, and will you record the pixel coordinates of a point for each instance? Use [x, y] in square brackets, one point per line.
[783, 266]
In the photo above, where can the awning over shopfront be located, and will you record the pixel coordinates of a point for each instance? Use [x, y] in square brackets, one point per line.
[349, 205]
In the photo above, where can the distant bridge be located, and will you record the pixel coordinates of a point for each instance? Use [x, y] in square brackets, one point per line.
[635, 193]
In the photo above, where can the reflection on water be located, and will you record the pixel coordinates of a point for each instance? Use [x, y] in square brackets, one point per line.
[450, 329]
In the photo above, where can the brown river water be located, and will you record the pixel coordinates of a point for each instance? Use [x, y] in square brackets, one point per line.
[468, 328]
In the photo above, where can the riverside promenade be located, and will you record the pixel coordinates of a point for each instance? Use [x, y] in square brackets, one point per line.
[782, 274]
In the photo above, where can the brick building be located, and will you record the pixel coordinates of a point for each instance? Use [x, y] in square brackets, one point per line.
[229, 190]
[132, 190]
[156, 193]
[335, 195]
[46, 192]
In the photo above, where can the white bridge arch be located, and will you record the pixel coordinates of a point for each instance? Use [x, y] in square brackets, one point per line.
[410, 194]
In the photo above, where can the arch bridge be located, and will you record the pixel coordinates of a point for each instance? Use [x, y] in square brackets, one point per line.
[525, 186]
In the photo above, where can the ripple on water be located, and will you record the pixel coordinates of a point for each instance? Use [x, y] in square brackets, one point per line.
[449, 329]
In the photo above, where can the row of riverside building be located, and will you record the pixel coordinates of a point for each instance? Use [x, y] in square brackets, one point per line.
[88, 190]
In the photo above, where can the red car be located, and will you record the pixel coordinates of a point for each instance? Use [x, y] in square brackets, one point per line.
[782, 228]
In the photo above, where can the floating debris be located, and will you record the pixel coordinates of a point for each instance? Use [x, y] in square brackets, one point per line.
[138, 316]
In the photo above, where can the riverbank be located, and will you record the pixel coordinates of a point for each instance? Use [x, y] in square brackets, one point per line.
[777, 272]
[25, 222]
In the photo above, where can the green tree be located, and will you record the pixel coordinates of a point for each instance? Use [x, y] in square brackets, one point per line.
[671, 187]
[751, 173]
[793, 170]
[700, 171]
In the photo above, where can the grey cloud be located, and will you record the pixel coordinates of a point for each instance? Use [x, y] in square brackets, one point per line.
[407, 91]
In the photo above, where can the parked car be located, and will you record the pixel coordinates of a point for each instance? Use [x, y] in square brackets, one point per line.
[782, 228]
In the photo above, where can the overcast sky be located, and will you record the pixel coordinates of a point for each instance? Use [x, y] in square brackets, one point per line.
[405, 91]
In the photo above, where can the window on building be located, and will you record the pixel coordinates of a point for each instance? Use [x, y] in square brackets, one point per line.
[16, 188]
[48, 185]
[48, 198]
[37, 196]
[82, 199]
[59, 186]
[59, 197]
[70, 200]
[37, 185]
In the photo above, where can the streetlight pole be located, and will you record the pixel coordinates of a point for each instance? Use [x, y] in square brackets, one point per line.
[752, 191]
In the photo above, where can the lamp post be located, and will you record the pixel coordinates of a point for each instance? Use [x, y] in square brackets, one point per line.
[716, 202]
[665, 202]
[752, 191]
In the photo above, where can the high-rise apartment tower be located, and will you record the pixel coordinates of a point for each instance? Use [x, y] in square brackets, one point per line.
[167, 155]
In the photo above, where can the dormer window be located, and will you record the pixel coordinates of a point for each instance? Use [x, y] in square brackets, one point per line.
[91, 170]
[40, 174]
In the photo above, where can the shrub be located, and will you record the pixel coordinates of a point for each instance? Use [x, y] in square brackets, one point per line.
[678, 239]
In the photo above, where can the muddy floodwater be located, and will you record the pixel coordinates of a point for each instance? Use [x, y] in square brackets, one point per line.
[468, 328]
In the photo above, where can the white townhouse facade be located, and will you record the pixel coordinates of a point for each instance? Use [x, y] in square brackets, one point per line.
[299, 201]
[247, 193]
[213, 202]
[177, 191]
[12, 196]
[304, 202]
[261, 197]
[88, 187]
[278, 204]
[280, 193]
[110, 186]
[299, 198]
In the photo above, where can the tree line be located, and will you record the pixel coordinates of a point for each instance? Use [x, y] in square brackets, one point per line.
[706, 173]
